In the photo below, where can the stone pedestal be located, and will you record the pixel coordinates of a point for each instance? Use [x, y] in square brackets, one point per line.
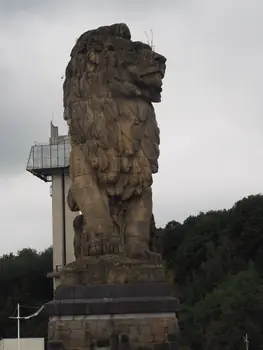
[133, 316]
[113, 269]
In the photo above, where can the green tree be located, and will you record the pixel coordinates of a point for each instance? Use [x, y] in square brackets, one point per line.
[23, 280]
[217, 263]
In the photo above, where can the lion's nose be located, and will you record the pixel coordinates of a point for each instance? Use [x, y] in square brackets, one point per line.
[159, 58]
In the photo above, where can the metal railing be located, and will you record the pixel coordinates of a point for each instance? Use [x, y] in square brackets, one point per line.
[49, 156]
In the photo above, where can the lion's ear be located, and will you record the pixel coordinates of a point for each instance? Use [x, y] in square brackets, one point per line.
[121, 30]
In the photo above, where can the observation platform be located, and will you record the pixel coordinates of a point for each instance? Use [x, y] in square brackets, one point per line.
[47, 159]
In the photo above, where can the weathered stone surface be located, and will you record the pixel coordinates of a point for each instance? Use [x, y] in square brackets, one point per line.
[142, 313]
[110, 85]
[151, 332]
[55, 345]
[113, 269]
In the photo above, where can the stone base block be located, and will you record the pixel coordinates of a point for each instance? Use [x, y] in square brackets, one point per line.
[113, 269]
[139, 316]
[114, 332]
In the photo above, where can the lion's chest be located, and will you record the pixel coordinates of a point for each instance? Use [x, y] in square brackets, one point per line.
[132, 120]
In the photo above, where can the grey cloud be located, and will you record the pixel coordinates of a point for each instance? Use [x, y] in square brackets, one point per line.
[25, 214]
[9, 7]
[59, 7]
[210, 117]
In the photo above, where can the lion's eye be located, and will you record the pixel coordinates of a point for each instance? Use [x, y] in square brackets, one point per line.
[110, 47]
[147, 55]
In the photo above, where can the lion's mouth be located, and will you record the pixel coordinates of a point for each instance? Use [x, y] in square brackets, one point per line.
[154, 72]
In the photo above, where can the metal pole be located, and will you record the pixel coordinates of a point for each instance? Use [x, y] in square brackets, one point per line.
[18, 318]
[246, 341]
[18, 326]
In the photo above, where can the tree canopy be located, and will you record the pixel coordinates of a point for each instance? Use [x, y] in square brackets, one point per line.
[23, 280]
[216, 262]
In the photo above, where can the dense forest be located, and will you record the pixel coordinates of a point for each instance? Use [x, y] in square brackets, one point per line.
[23, 280]
[215, 261]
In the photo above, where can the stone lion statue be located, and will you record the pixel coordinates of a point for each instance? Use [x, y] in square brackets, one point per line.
[110, 85]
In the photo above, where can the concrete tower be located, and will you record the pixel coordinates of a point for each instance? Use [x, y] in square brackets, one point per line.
[50, 162]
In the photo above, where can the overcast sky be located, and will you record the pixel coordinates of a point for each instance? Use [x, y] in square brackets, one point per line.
[211, 116]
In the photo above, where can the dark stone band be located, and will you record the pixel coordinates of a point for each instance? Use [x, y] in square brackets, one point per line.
[73, 307]
[135, 290]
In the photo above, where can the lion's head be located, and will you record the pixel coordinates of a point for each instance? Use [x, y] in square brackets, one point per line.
[144, 69]
[107, 57]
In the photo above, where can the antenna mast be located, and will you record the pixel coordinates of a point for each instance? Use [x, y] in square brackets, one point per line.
[152, 45]
[150, 42]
